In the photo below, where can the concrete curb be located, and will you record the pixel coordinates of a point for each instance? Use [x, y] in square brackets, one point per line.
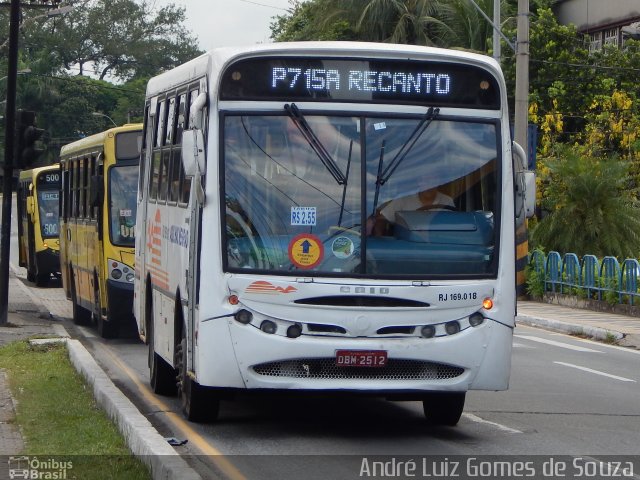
[572, 328]
[141, 437]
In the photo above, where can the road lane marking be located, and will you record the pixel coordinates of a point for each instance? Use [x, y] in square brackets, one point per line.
[558, 344]
[620, 348]
[476, 419]
[185, 429]
[596, 372]
[522, 345]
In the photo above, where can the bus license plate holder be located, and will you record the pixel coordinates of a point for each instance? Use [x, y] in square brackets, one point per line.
[361, 358]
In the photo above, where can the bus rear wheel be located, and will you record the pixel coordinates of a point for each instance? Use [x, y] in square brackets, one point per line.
[443, 408]
[199, 404]
[162, 377]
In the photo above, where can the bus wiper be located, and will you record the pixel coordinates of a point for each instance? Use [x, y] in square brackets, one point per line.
[315, 143]
[426, 120]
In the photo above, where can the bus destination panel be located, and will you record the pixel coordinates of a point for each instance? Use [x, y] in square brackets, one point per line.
[378, 81]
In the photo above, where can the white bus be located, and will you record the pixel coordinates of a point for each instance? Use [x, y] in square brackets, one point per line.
[328, 217]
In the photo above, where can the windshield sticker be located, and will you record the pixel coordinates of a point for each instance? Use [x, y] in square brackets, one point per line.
[305, 216]
[380, 126]
[125, 212]
[306, 251]
[342, 247]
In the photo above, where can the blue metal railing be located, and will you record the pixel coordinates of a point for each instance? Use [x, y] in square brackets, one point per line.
[588, 276]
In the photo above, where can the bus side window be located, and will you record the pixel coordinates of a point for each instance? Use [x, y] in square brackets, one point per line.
[160, 124]
[163, 175]
[181, 121]
[76, 188]
[171, 122]
[155, 174]
[174, 177]
[85, 187]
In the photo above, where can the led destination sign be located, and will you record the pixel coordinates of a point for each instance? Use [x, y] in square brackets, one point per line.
[385, 81]
[361, 81]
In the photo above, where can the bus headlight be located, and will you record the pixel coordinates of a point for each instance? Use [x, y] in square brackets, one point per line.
[268, 327]
[452, 327]
[294, 331]
[243, 316]
[476, 319]
[428, 331]
[120, 272]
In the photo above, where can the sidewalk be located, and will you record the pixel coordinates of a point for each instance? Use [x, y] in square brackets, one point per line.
[625, 330]
[28, 317]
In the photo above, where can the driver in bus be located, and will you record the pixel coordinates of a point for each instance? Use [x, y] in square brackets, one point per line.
[430, 199]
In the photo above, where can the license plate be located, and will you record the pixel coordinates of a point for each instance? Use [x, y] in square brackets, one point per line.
[361, 358]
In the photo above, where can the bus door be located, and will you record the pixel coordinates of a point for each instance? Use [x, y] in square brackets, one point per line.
[144, 179]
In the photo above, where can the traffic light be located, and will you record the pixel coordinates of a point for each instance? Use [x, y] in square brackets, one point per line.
[26, 152]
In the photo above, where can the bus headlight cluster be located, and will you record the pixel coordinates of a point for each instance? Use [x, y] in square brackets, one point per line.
[120, 272]
[269, 326]
[452, 327]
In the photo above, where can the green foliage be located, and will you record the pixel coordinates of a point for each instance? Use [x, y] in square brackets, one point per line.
[443, 23]
[119, 38]
[58, 415]
[591, 207]
[534, 282]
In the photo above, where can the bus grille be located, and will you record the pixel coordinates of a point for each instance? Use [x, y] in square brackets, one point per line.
[326, 368]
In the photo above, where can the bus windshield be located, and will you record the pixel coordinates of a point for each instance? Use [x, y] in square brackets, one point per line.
[363, 195]
[48, 207]
[123, 188]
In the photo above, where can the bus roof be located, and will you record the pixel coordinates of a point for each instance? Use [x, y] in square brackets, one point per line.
[220, 57]
[96, 139]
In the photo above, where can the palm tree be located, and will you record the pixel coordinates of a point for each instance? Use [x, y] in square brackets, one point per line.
[416, 22]
[472, 31]
[593, 210]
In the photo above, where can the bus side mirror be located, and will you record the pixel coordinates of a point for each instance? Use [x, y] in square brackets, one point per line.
[97, 191]
[525, 183]
[528, 182]
[31, 208]
[193, 152]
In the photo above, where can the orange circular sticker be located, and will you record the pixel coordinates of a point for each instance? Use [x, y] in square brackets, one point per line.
[306, 251]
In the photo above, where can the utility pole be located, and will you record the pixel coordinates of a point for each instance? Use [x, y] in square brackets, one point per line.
[7, 181]
[496, 34]
[522, 76]
[521, 132]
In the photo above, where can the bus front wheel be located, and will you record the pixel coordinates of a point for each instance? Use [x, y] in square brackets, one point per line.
[107, 327]
[199, 404]
[81, 316]
[443, 408]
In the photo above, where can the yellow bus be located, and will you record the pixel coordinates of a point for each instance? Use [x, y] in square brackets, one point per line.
[38, 243]
[97, 225]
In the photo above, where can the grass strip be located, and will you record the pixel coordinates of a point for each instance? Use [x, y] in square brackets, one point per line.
[59, 417]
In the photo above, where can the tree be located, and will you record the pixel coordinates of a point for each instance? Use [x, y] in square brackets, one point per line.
[123, 39]
[311, 20]
[443, 23]
[592, 209]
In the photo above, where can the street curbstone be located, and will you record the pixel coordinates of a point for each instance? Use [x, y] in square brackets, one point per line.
[571, 328]
[141, 437]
